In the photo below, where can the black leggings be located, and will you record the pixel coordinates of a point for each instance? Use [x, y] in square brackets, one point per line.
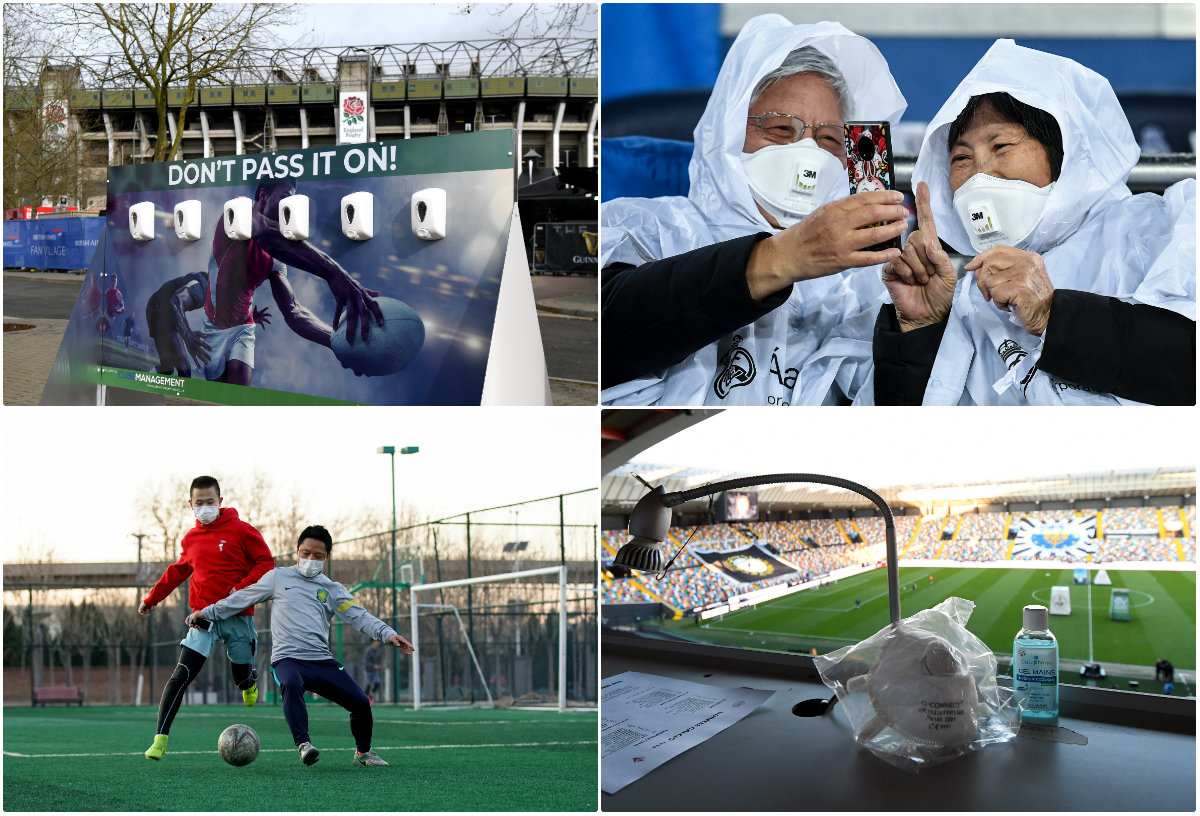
[190, 663]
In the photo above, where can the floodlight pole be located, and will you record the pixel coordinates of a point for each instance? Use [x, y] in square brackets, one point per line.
[390, 450]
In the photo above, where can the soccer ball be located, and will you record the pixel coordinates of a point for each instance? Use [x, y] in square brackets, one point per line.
[238, 745]
[388, 348]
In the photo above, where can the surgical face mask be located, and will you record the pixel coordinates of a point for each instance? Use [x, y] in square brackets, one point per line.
[309, 568]
[206, 513]
[999, 212]
[920, 687]
[790, 181]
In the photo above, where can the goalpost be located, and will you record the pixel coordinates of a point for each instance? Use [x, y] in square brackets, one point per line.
[561, 571]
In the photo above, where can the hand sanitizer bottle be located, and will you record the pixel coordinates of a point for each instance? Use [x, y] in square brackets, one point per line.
[1035, 668]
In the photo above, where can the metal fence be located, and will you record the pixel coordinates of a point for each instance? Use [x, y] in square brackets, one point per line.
[90, 637]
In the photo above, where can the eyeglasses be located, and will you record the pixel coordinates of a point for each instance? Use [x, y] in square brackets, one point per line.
[783, 128]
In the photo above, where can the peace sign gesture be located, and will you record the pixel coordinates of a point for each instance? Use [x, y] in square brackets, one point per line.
[922, 280]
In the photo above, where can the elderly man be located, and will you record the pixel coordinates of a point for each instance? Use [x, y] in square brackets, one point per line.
[1080, 292]
[720, 298]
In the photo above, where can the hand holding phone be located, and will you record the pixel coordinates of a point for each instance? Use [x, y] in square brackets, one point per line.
[869, 164]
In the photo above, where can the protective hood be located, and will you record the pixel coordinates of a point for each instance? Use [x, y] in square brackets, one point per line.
[719, 205]
[1093, 236]
[1099, 149]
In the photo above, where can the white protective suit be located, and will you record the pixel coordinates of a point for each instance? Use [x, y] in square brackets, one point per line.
[719, 207]
[1094, 235]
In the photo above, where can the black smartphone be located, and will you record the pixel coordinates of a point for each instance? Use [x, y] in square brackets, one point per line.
[203, 623]
[869, 163]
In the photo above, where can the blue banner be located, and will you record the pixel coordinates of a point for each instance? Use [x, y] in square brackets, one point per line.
[51, 243]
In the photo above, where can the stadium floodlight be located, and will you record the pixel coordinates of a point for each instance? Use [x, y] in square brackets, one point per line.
[651, 517]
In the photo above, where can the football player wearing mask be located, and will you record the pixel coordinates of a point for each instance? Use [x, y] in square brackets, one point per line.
[1078, 292]
[721, 297]
[304, 601]
[220, 555]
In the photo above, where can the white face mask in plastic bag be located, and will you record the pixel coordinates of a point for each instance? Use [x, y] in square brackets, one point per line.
[997, 211]
[790, 181]
[920, 687]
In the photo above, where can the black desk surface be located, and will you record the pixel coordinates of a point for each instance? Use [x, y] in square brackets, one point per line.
[774, 760]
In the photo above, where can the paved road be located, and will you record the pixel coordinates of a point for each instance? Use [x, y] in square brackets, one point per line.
[27, 299]
[570, 346]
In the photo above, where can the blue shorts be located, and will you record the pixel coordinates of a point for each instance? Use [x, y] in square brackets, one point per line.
[237, 632]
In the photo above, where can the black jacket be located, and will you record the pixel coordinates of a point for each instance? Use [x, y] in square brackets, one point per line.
[1131, 350]
[654, 315]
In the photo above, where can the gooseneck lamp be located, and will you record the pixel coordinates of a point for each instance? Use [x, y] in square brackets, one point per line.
[651, 518]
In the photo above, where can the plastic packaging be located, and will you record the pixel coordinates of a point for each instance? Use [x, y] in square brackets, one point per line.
[924, 691]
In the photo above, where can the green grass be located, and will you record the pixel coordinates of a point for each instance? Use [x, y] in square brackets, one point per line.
[1163, 625]
[90, 759]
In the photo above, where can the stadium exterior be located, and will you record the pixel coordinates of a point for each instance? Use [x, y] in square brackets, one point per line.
[543, 89]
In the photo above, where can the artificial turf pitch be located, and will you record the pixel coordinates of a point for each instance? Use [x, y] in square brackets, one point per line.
[1163, 625]
[90, 759]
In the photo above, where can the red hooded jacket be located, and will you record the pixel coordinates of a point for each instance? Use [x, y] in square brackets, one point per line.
[221, 558]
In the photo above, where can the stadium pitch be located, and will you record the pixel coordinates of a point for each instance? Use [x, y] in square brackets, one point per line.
[90, 759]
[1163, 625]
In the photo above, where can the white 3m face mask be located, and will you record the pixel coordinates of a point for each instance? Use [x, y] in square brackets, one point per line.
[206, 513]
[920, 688]
[309, 568]
[996, 211]
[790, 181]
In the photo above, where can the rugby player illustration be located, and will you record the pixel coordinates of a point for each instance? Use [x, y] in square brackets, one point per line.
[223, 348]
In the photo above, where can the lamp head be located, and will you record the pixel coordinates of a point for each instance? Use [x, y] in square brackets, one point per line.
[648, 525]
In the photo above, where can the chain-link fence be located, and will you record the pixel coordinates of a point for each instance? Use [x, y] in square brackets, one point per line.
[492, 642]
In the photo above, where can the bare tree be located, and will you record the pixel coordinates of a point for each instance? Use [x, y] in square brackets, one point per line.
[164, 46]
[43, 146]
[540, 19]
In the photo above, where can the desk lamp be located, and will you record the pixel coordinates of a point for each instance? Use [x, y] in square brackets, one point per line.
[651, 517]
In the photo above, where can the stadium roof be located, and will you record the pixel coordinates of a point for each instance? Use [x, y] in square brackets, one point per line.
[621, 491]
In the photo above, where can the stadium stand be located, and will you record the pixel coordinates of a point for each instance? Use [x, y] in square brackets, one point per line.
[1134, 534]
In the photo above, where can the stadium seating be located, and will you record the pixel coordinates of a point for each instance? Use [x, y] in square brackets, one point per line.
[976, 537]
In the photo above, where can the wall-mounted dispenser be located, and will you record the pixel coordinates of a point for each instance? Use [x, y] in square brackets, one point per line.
[429, 213]
[238, 218]
[293, 217]
[187, 220]
[141, 220]
[358, 216]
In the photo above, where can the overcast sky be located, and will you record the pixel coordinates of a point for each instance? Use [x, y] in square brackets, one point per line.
[337, 24]
[70, 475]
[887, 447]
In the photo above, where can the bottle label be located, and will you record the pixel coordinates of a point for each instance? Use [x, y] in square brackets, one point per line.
[1035, 676]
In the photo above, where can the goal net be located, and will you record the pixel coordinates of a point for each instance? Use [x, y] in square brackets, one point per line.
[495, 639]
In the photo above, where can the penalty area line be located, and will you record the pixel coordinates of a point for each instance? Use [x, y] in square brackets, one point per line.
[18, 755]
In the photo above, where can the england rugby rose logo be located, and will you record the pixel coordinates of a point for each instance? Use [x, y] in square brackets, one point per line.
[352, 111]
[56, 117]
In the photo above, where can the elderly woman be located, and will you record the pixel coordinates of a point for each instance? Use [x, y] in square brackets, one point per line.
[1078, 291]
[721, 297]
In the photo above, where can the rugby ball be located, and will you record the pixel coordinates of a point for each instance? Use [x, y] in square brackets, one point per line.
[389, 348]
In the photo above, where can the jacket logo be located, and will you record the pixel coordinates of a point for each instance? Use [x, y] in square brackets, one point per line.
[737, 368]
[221, 546]
[322, 595]
[1011, 353]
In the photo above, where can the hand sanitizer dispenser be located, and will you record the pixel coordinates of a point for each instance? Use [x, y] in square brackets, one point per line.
[238, 218]
[141, 220]
[429, 214]
[187, 220]
[358, 216]
[293, 217]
